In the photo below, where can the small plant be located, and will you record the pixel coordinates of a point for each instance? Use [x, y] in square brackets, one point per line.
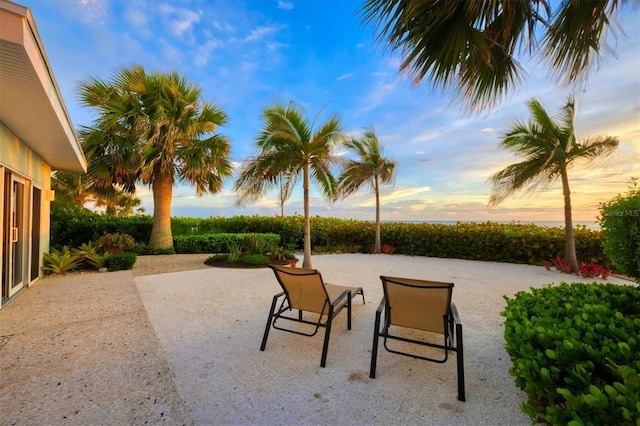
[60, 261]
[234, 252]
[255, 244]
[560, 264]
[216, 258]
[97, 260]
[256, 259]
[116, 242]
[121, 262]
[387, 249]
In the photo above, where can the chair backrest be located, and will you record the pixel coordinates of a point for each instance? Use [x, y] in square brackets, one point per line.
[304, 288]
[416, 303]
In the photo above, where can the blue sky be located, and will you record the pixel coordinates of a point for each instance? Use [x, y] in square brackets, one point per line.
[247, 54]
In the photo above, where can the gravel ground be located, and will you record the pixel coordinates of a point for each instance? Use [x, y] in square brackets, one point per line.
[210, 324]
[163, 263]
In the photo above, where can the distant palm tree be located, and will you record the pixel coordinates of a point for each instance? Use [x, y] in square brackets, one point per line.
[549, 149]
[371, 169]
[469, 46]
[288, 146]
[154, 129]
[79, 189]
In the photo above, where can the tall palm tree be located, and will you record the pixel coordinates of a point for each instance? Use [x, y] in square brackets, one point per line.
[371, 169]
[469, 46]
[154, 129]
[290, 146]
[549, 148]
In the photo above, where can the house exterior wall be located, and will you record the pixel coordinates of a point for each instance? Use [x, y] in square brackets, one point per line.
[18, 159]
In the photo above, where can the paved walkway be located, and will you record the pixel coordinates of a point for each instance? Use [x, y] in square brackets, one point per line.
[80, 349]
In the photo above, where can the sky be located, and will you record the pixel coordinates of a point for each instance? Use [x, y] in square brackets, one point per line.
[245, 55]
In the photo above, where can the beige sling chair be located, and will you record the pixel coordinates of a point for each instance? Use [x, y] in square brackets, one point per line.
[419, 305]
[305, 290]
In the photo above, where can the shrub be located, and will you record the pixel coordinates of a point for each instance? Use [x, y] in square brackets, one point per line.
[215, 258]
[217, 243]
[121, 262]
[61, 261]
[116, 240]
[256, 259]
[574, 349]
[620, 222]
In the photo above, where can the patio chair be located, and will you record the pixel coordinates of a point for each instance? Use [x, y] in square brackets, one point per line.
[419, 305]
[304, 290]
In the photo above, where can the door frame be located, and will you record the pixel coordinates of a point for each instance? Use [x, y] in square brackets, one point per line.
[15, 228]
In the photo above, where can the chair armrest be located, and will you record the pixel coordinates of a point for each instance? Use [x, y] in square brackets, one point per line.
[383, 302]
[454, 314]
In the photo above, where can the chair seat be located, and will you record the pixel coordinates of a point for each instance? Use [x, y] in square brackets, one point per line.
[334, 291]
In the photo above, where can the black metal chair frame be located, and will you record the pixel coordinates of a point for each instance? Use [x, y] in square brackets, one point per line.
[332, 309]
[452, 330]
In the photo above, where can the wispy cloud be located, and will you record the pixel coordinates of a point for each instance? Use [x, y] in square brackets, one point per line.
[179, 20]
[285, 5]
[261, 32]
[344, 76]
[93, 10]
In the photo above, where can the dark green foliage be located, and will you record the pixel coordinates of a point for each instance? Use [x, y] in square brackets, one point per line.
[218, 243]
[121, 262]
[574, 349]
[620, 223]
[74, 226]
[216, 258]
[255, 259]
[513, 243]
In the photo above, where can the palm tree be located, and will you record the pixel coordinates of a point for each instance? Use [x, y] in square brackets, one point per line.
[469, 46]
[288, 146]
[549, 148]
[154, 129]
[79, 189]
[371, 170]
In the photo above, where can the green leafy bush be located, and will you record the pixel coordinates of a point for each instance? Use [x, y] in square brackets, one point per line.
[72, 226]
[116, 240]
[218, 243]
[215, 258]
[513, 243]
[121, 262]
[61, 261]
[620, 223]
[574, 349]
[256, 259]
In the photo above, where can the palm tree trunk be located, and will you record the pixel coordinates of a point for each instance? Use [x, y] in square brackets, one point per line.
[161, 237]
[378, 246]
[306, 262]
[569, 241]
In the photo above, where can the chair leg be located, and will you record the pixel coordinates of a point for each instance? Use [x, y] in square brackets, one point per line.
[349, 312]
[327, 333]
[460, 362]
[374, 349]
[266, 330]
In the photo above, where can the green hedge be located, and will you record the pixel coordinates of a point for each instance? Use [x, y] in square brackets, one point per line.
[574, 349]
[218, 243]
[73, 226]
[513, 243]
[620, 223]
